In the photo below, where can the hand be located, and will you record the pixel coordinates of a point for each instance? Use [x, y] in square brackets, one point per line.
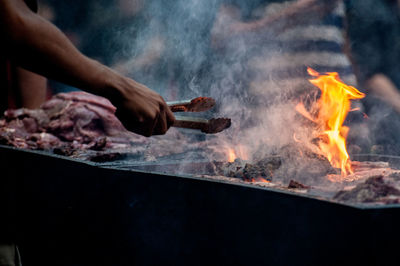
[142, 110]
[382, 86]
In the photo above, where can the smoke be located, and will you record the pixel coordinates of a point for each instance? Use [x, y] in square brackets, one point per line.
[185, 48]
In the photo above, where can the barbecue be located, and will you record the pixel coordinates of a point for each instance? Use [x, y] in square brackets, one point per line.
[105, 208]
[284, 149]
[83, 126]
[304, 174]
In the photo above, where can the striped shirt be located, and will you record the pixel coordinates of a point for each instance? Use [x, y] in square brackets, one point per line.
[281, 65]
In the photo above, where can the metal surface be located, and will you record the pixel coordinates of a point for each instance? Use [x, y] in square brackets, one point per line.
[69, 212]
[199, 104]
[211, 126]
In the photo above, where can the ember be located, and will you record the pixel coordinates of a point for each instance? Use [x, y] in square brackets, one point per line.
[239, 152]
[84, 126]
[329, 113]
[296, 185]
[231, 155]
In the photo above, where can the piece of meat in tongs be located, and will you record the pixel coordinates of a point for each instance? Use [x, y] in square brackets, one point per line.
[200, 104]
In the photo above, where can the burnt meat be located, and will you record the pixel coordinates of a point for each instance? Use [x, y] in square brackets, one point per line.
[263, 169]
[374, 189]
[296, 185]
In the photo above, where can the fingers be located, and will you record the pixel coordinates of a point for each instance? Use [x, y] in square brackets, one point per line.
[161, 125]
[164, 121]
[144, 111]
[156, 124]
[170, 117]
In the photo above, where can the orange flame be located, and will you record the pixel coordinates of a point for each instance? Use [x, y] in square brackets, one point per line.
[231, 155]
[259, 180]
[239, 151]
[330, 111]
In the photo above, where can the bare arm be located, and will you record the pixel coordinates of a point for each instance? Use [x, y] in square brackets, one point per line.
[31, 89]
[384, 88]
[37, 45]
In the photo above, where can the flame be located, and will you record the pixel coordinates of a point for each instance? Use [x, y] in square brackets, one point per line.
[259, 180]
[239, 151]
[329, 113]
[231, 155]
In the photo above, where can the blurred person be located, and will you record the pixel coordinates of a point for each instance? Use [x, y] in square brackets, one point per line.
[265, 47]
[287, 36]
[35, 44]
[374, 31]
[274, 43]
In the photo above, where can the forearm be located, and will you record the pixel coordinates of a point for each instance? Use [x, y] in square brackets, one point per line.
[30, 89]
[37, 45]
[382, 87]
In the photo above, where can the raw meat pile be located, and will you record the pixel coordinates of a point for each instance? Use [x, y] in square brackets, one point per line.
[69, 121]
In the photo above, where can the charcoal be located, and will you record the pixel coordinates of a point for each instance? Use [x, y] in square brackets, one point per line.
[296, 185]
[232, 169]
[263, 169]
[374, 189]
[65, 151]
[99, 144]
[100, 157]
[303, 165]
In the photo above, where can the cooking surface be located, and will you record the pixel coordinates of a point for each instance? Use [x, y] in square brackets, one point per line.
[85, 214]
[190, 169]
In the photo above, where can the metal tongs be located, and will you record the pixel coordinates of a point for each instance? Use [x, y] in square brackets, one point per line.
[199, 104]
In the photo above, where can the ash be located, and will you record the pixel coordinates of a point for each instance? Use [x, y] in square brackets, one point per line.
[301, 171]
[261, 170]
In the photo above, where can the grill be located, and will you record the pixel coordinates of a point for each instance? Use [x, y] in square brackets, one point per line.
[70, 212]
